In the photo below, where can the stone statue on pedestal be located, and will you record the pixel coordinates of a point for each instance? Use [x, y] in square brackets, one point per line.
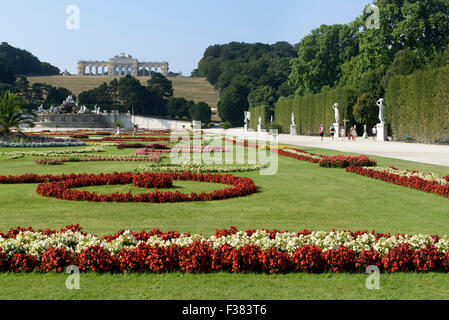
[293, 118]
[337, 113]
[380, 104]
[40, 109]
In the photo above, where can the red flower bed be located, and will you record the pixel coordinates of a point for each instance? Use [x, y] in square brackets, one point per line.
[79, 136]
[49, 162]
[201, 256]
[340, 161]
[413, 182]
[126, 138]
[152, 180]
[298, 156]
[61, 187]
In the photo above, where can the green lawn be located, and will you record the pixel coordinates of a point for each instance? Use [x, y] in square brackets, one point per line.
[301, 195]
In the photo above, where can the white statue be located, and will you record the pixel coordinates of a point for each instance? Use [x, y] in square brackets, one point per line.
[293, 118]
[53, 109]
[97, 110]
[83, 110]
[271, 119]
[380, 104]
[260, 121]
[40, 109]
[246, 118]
[337, 114]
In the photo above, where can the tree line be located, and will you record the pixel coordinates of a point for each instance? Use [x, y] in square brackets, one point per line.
[412, 35]
[154, 98]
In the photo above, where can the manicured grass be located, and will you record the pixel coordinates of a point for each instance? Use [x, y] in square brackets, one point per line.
[301, 195]
[224, 286]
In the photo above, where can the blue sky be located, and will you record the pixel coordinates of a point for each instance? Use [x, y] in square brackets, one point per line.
[170, 30]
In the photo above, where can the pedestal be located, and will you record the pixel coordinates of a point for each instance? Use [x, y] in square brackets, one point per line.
[365, 134]
[337, 131]
[293, 130]
[259, 128]
[381, 132]
[246, 128]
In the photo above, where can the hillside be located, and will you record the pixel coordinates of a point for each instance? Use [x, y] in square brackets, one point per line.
[197, 89]
[22, 62]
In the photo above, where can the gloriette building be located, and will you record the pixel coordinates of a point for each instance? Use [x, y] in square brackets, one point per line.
[121, 66]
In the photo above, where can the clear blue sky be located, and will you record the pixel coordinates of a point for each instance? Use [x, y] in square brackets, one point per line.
[166, 30]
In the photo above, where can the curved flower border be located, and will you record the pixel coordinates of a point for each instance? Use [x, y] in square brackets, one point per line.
[60, 187]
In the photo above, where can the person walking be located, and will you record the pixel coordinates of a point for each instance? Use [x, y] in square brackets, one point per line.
[322, 130]
[354, 133]
[374, 132]
[117, 131]
[332, 132]
[342, 133]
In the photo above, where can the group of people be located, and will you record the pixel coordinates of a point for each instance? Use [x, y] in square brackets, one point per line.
[352, 135]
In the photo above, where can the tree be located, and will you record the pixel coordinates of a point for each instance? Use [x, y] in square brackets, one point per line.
[11, 115]
[420, 25]
[22, 88]
[320, 57]
[365, 110]
[405, 62]
[57, 95]
[6, 75]
[160, 85]
[178, 107]
[265, 95]
[233, 102]
[201, 112]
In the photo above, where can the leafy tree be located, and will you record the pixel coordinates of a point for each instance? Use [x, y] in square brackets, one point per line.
[177, 107]
[11, 115]
[365, 110]
[265, 95]
[57, 95]
[320, 57]
[160, 85]
[200, 111]
[406, 62]
[22, 87]
[233, 103]
[6, 75]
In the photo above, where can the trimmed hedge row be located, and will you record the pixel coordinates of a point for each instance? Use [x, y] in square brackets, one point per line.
[418, 105]
[313, 110]
[256, 112]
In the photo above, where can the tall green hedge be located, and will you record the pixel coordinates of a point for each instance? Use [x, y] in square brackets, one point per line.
[313, 110]
[262, 111]
[418, 105]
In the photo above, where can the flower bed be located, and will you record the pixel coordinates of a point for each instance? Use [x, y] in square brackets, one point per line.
[413, 179]
[340, 161]
[49, 162]
[154, 146]
[41, 144]
[60, 187]
[182, 149]
[69, 152]
[201, 168]
[155, 157]
[228, 250]
[126, 138]
[79, 136]
[298, 154]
